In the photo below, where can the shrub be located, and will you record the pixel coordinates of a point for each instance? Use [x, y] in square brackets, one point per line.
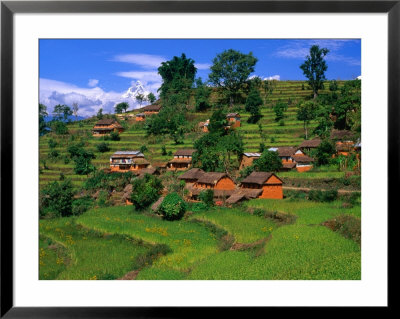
[108, 181]
[103, 147]
[102, 199]
[173, 207]
[66, 159]
[143, 149]
[323, 196]
[163, 150]
[57, 197]
[114, 136]
[81, 205]
[347, 226]
[52, 143]
[53, 154]
[145, 191]
[59, 128]
[207, 197]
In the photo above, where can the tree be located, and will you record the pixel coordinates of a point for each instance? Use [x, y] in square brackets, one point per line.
[269, 161]
[140, 98]
[57, 198]
[306, 112]
[218, 122]
[151, 97]
[325, 123]
[103, 147]
[268, 87]
[173, 207]
[42, 121]
[333, 86]
[314, 68]
[100, 114]
[207, 197]
[324, 152]
[253, 103]
[178, 77]
[202, 96]
[75, 108]
[82, 159]
[280, 108]
[145, 191]
[121, 107]
[230, 70]
[349, 102]
[59, 127]
[62, 112]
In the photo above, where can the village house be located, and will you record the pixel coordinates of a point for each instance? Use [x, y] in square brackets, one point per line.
[203, 126]
[268, 185]
[309, 145]
[140, 117]
[151, 109]
[233, 119]
[106, 126]
[191, 176]
[248, 159]
[293, 158]
[303, 163]
[344, 141]
[182, 160]
[124, 161]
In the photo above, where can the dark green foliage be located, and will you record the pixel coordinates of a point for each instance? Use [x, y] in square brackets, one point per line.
[207, 197]
[114, 136]
[262, 147]
[324, 152]
[280, 108]
[82, 159]
[53, 154]
[145, 191]
[62, 176]
[202, 96]
[121, 107]
[253, 103]
[269, 161]
[62, 112]
[218, 122]
[325, 122]
[59, 127]
[348, 106]
[323, 196]
[81, 205]
[102, 199]
[163, 150]
[52, 143]
[230, 70]
[42, 123]
[103, 147]
[100, 114]
[173, 207]
[314, 68]
[333, 86]
[153, 253]
[143, 149]
[56, 198]
[151, 98]
[108, 181]
[178, 77]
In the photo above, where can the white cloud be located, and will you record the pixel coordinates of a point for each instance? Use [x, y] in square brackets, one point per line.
[144, 60]
[144, 76]
[93, 82]
[202, 66]
[273, 77]
[90, 100]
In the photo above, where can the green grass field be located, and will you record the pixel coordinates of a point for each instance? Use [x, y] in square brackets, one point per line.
[103, 243]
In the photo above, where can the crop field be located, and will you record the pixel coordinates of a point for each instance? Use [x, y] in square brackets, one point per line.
[106, 243]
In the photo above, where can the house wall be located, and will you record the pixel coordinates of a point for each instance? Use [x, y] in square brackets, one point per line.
[225, 183]
[246, 161]
[133, 167]
[304, 168]
[139, 119]
[272, 192]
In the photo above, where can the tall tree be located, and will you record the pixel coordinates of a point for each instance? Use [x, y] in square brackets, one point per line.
[280, 108]
[75, 108]
[100, 114]
[151, 97]
[230, 70]
[268, 87]
[121, 107]
[140, 98]
[253, 103]
[42, 121]
[202, 96]
[306, 112]
[314, 68]
[178, 77]
[218, 123]
[348, 103]
[62, 112]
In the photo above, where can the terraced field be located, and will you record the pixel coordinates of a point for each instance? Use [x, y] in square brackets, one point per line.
[133, 138]
[106, 244]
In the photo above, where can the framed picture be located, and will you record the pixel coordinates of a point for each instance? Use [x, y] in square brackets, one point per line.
[203, 153]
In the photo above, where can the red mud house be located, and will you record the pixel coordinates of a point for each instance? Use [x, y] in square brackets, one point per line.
[191, 176]
[309, 145]
[182, 160]
[293, 158]
[124, 161]
[344, 141]
[140, 117]
[151, 109]
[268, 185]
[233, 119]
[248, 159]
[106, 126]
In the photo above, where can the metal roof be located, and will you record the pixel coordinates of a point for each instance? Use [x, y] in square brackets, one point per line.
[273, 149]
[128, 153]
[252, 154]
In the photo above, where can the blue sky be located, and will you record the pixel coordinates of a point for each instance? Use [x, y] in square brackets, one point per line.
[96, 73]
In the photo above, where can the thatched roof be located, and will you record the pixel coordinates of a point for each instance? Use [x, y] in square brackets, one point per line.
[157, 204]
[286, 151]
[342, 135]
[151, 108]
[193, 173]
[218, 193]
[181, 160]
[310, 143]
[211, 177]
[289, 165]
[235, 198]
[141, 160]
[244, 193]
[258, 178]
[302, 159]
[147, 170]
[106, 122]
[232, 115]
[185, 152]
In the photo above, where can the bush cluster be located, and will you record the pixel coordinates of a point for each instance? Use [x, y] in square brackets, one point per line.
[347, 226]
[323, 196]
[145, 191]
[173, 207]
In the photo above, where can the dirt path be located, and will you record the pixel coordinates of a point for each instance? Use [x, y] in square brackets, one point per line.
[306, 189]
[130, 275]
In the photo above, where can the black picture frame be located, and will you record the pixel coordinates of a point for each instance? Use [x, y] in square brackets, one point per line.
[9, 8]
